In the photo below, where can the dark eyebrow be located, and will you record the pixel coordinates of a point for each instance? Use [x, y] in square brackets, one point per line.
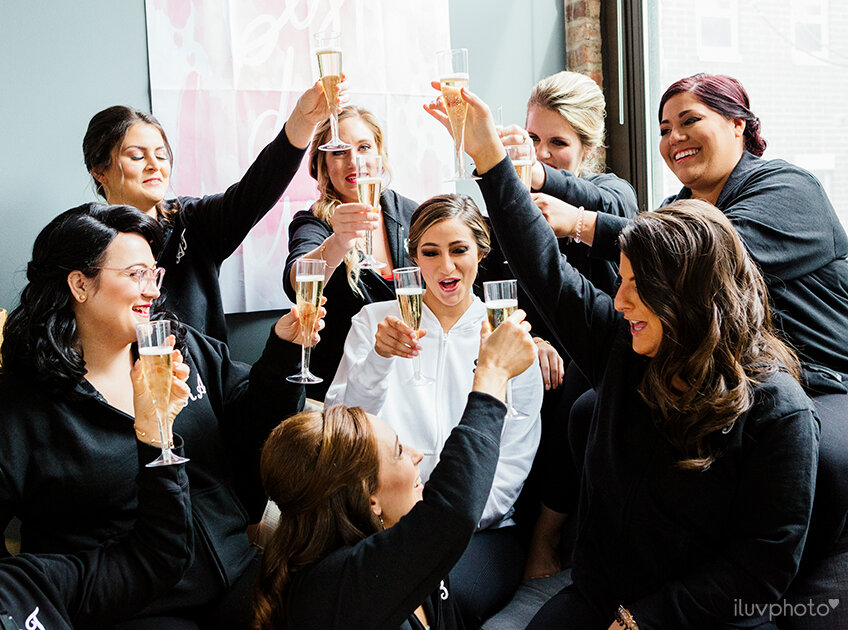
[452, 243]
[685, 112]
[141, 148]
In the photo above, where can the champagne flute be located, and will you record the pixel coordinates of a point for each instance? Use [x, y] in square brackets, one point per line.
[453, 76]
[329, 54]
[155, 354]
[521, 157]
[501, 299]
[309, 276]
[369, 186]
[410, 297]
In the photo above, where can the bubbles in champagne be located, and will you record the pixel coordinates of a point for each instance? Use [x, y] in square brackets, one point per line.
[524, 170]
[330, 69]
[410, 303]
[309, 291]
[499, 310]
[156, 366]
[457, 108]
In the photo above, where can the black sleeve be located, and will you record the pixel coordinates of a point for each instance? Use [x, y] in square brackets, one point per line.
[599, 193]
[607, 229]
[786, 221]
[774, 498]
[254, 403]
[581, 316]
[306, 232]
[115, 581]
[224, 219]
[386, 576]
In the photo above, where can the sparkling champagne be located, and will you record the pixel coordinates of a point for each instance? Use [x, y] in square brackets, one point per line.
[456, 107]
[369, 189]
[499, 310]
[330, 69]
[524, 170]
[309, 290]
[410, 300]
[156, 367]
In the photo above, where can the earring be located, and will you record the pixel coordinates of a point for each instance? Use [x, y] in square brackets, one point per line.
[382, 526]
[81, 298]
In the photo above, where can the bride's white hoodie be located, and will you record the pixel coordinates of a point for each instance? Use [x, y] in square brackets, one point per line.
[423, 416]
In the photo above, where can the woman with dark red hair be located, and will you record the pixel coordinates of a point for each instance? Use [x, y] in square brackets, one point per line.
[710, 139]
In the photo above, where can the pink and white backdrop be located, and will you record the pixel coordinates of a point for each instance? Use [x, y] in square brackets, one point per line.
[225, 75]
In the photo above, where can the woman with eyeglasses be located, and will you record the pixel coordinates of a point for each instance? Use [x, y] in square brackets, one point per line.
[128, 155]
[67, 445]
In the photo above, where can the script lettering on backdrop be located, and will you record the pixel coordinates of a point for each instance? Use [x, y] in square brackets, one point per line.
[225, 76]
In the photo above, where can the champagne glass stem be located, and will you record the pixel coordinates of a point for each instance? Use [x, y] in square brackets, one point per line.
[460, 154]
[369, 243]
[416, 365]
[163, 439]
[509, 396]
[334, 125]
[305, 352]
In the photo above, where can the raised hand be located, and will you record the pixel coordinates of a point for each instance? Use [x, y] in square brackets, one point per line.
[560, 215]
[395, 339]
[350, 221]
[312, 109]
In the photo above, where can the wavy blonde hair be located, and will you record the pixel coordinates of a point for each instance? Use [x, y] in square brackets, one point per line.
[330, 199]
[579, 100]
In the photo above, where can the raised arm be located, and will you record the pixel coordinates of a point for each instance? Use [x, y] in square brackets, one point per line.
[223, 220]
[401, 566]
[582, 317]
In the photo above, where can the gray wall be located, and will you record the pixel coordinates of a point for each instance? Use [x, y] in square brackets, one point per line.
[62, 62]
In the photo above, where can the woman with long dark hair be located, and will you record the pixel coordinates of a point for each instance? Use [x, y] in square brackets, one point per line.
[362, 543]
[67, 444]
[128, 155]
[332, 227]
[700, 464]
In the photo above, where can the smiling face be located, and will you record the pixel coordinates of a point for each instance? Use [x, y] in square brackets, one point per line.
[645, 326]
[399, 485]
[448, 257]
[341, 165]
[140, 170]
[699, 145]
[555, 141]
[113, 303]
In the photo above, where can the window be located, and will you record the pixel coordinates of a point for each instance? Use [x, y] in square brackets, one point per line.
[718, 30]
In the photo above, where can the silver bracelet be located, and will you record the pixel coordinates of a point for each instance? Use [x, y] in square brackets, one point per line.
[579, 232]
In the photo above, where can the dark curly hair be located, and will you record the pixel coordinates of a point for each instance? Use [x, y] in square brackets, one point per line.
[40, 339]
[693, 272]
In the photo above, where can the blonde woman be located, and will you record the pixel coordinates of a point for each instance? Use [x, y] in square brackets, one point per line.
[331, 228]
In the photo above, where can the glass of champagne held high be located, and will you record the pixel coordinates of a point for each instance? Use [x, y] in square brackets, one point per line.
[501, 300]
[329, 54]
[453, 76]
[155, 354]
[410, 293]
[521, 156]
[309, 277]
[369, 186]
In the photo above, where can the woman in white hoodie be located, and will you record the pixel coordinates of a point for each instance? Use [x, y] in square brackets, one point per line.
[448, 238]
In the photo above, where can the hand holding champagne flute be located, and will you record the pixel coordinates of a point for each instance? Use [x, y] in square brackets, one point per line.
[410, 293]
[501, 299]
[156, 354]
[453, 77]
[369, 187]
[329, 55]
[309, 277]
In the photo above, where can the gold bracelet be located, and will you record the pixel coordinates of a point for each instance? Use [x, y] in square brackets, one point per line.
[538, 340]
[321, 253]
[578, 237]
[626, 619]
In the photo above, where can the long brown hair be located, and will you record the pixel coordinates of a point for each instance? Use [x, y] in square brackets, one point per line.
[693, 272]
[329, 200]
[320, 468]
